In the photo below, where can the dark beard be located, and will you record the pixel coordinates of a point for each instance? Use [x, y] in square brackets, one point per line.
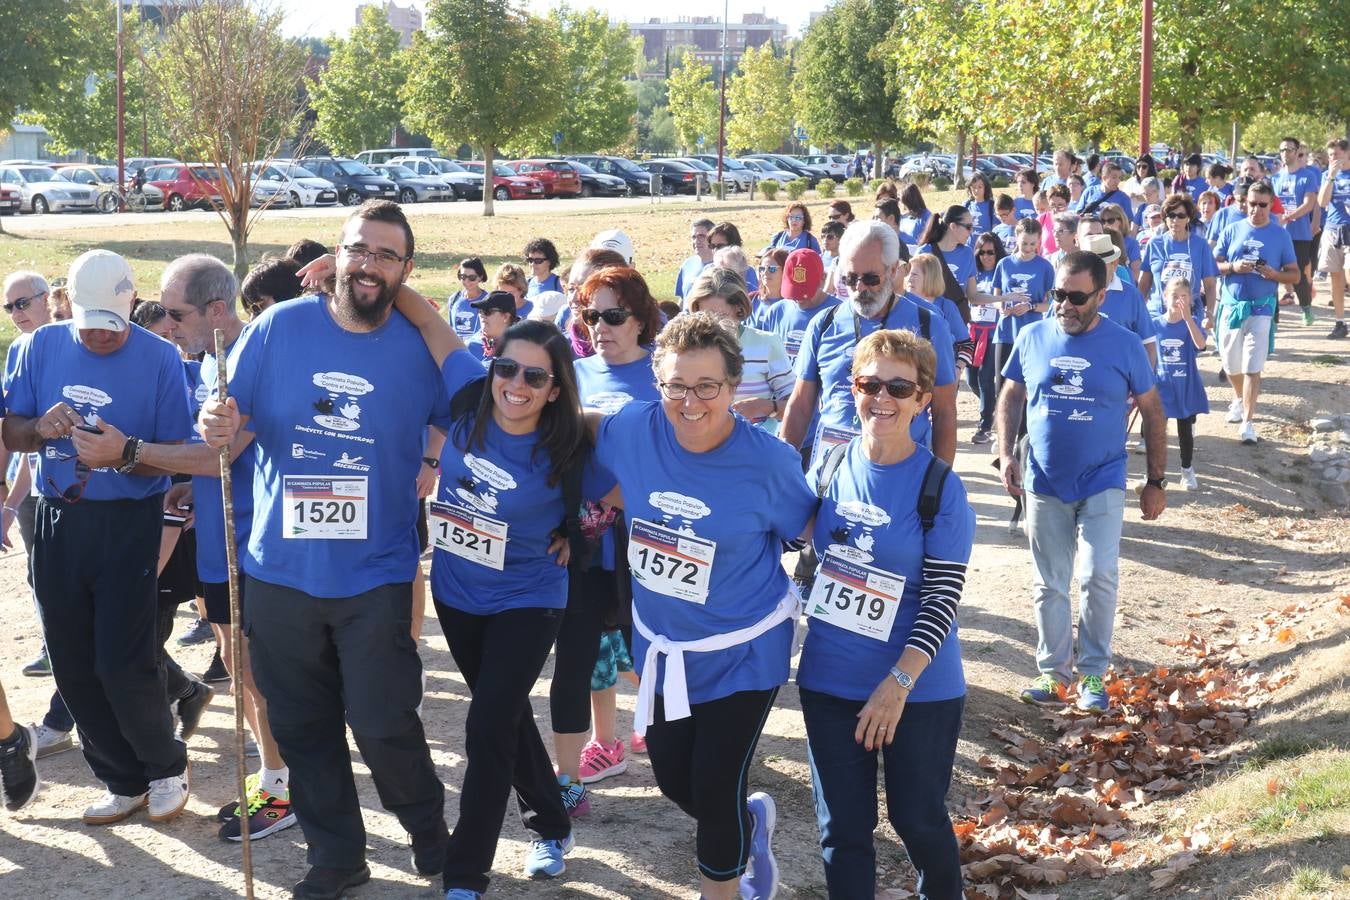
[371, 315]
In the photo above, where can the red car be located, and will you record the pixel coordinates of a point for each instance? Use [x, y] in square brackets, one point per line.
[9, 200]
[185, 185]
[558, 176]
[507, 185]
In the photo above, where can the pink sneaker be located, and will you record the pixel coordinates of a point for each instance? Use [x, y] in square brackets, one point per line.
[638, 744]
[599, 762]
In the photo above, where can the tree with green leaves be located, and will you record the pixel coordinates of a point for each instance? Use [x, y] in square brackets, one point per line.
[841, 91]
[357, 97]
[759, 101]
[226, 83]
[693, 102]
[598, 112]
[463, 86]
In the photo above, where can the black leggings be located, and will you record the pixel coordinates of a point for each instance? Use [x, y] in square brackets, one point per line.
[1186, 440]
[702, 763]
[1303, 256]
[590, 595]
[1003, 353]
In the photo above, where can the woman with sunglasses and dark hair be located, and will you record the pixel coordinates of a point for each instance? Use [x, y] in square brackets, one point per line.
[1115, 220]
[540, 259]
[1144, 169]
[989, 249]
[725, 235]
[1180, 253]
[841, 211]
[459, 308]
[880, 672]
[496, 313]
[770, 280]
[796, 231]
[950, 240]
[516, 446]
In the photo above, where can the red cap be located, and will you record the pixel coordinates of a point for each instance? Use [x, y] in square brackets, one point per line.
[803, 273]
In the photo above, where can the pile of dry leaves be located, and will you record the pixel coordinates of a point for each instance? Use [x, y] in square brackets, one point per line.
[1061, 808]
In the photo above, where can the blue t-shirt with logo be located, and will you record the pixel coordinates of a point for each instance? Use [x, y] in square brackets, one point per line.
[912, 228]
[140, 388]
[337, 415]
[1024, 208]
[1243, 240]
[960, 261]
[1098, 194]
[803, 241]
[745, 496]
[209, 505]
[1007, 235]
[551, 282]
[789, 321]
[1291, 188]
[1167, 258]
[869, 515]
[826, 358]
[1124, 305]
[1078, 391]
[1033, 277]
[1338, 211]
[1197, 186]
[1179, 384]
[1226, 216]
[983, 217]
[463, 317]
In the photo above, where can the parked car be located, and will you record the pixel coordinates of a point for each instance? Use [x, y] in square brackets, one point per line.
[766, 171]
[355, 181]
[676, 177]
[414, 188]
[507, 185]
[270, 194]
[41, 191]
[10, 200]
[638, 180]
[103, 180]
[133, 164]
[466, 185]
[389, 154]
[595, 184]
[788, 164]
[305, 188]
[184, 185]
[557, 175]
[738, 176]
[836, 165]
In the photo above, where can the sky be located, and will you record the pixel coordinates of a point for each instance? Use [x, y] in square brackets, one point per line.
[316, 18]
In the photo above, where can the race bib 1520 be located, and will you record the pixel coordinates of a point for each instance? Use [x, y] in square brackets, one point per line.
[325, 507]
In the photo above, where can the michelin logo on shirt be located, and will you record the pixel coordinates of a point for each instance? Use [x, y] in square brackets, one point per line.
[678, 507]
[856, 513]
[480, 491]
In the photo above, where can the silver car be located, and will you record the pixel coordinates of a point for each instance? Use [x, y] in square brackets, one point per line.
[414, 188]
[41, 191]
[465, 184]
[737, 174]
[765, 171]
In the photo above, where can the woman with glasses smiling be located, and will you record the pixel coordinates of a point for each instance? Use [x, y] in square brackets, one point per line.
[459, 307]
[709, 500]
[796, 231]
[1180, 253]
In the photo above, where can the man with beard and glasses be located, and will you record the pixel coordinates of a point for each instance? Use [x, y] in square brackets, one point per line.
[869, 257]
[1077, 371]
[337, 390]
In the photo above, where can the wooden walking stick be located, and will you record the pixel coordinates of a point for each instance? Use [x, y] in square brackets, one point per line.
[236, 633]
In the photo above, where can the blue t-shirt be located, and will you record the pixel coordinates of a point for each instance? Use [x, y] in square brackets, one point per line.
[1098, 194]
[1243, 240]
[1078, 390]
[1166, 258]
[826, 358]
[1291, 188]
[1024, 208]
[912, 227]
[746, 496]
[551, 283]
[1008, 236]
[1132, 251]
[463, 317]
[506, 481]
[960, 260]
[337, 414]
[1197, 186]
[1033, 277]
[1179, 384]
[805, 240]
[689, 271]
[1338, 211]
[789, 321]
[949, 313]
[140, 388]
[1124, 305]
[869, 515]
[209, 506]
[983, 217]
[1226, 216]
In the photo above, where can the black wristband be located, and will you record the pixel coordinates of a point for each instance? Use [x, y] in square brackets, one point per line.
[129, 450]
[432, 462]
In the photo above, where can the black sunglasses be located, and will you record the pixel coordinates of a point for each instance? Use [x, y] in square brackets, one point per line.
[506, 369]
[22, 303]
[1176, 214]
[870, 279]
[899, 388]
[535, 260]
[1077, 298]
[613, 317]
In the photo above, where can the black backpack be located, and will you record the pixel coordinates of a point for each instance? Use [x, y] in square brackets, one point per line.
[930, 494]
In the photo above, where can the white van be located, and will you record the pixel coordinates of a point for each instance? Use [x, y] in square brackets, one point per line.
[387, 154]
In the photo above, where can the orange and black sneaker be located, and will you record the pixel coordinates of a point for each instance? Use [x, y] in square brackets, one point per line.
[268, 813]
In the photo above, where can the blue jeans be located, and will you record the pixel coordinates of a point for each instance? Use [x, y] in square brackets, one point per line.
[918, 771]
[1054, 529]
[981, 381]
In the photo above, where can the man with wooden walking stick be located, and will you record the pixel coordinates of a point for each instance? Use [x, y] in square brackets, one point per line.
[338, 390]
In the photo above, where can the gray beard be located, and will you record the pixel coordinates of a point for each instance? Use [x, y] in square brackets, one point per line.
[871, 305]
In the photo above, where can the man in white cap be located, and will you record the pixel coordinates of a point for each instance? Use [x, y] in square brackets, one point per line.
[99, 519]
[614, 239]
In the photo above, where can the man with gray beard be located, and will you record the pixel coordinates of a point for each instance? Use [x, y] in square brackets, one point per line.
[869, 256]
[338, 390]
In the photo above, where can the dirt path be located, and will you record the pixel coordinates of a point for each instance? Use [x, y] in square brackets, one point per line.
[1258, 535]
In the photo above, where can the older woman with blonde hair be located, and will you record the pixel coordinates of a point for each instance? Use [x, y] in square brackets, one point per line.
[512, 279]
[767, 379]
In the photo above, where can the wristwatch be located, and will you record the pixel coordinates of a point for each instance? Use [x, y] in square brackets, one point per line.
[431, 462]
[902, 679]
[1159, 483]
[131, 456]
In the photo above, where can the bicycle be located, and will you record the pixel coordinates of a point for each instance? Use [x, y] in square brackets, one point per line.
[113, 200]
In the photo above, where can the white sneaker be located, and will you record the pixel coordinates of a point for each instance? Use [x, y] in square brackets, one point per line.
[1188, 481]
[1247, 433]
[113, 808]
[1235, 412]
[168, 797]
[51, 741]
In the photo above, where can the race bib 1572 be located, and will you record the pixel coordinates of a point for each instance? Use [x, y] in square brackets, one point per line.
[670, 562]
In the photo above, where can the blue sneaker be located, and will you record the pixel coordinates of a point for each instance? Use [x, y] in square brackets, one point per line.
[462, 894]
[1092, 694]
[546, 858]
[574, 796]
[760, 882]
[1044, 691]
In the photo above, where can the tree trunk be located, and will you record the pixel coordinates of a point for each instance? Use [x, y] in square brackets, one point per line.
[1189, 131]
[1237, 137]
[489, 157]
[878, 162]
[238, 228]
[958, 177]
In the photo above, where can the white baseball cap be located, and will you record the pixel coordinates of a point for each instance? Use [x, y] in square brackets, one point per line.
[615, 240]
[101, 292]
[547, 304]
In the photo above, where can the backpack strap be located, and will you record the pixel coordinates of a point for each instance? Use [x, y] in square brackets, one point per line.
[930, 494]
[571, 496]
[925, 324]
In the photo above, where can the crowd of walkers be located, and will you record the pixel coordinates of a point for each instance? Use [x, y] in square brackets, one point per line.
[614, 481]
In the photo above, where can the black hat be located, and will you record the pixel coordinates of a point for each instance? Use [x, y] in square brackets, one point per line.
[497, 301]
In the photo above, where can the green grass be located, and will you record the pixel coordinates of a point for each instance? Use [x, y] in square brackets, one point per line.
[1327, 359]
[1304, 796]
[1280, 746]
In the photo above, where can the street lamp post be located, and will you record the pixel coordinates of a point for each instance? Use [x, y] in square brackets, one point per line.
[1146, 78]
[722, 103]
[121, 108]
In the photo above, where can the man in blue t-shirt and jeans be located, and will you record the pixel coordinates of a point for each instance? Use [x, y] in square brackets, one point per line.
[1078, 373]
[1334, 194]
